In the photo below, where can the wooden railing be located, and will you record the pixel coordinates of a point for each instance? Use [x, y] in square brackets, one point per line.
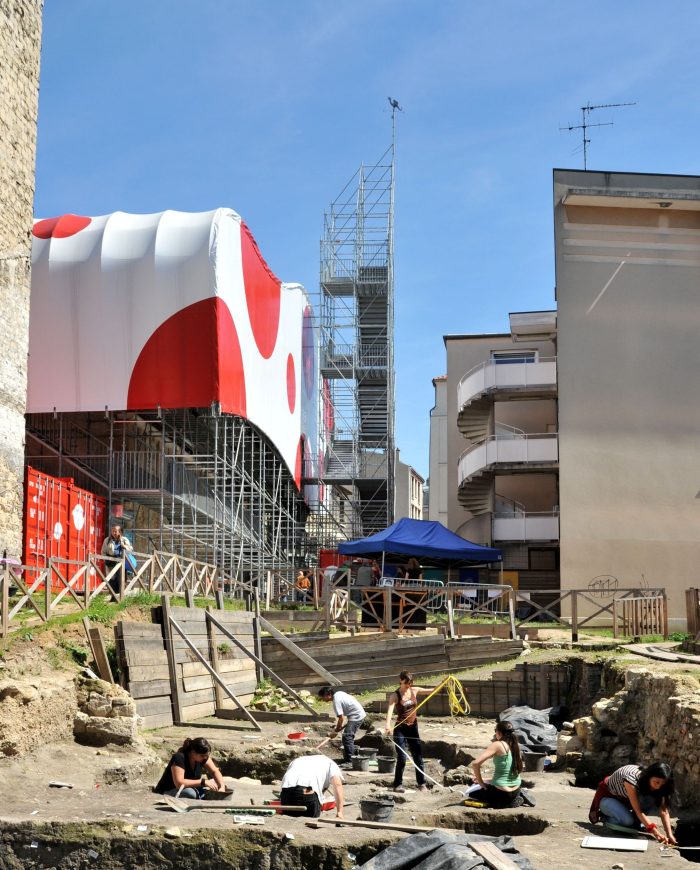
[42, 591]
[629, 612]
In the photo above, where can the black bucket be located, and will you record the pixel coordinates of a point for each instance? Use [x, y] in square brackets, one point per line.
[359, 762]
[376, 810]
[386, 763]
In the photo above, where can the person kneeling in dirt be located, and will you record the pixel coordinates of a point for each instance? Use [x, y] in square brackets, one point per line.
[351, 716]
[503, 790]
[191, 772]
[631, 792]
[306, 779]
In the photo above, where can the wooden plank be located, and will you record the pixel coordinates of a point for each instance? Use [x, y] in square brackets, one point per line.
[151, 706]
[158, 720]
[149, 688]
[244, 699]
[141, 657]
[198, 711]
[144, 643]
[138, 629]
[171, 660]
[197, 613]
[189, 699]
[493, 856]
[99, 652]
[138, 673]
[195, 669]
[383, 826]
[192, 684]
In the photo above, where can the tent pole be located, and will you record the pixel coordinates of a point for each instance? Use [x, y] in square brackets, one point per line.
[383, 557]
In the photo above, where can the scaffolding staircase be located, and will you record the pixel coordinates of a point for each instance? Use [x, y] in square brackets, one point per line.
[356, 349]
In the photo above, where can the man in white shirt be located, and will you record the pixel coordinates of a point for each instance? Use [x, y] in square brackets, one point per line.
[305, 781]
[351, 714]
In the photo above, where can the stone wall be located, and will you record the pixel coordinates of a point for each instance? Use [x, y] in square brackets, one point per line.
[655, 717]
[20, 44]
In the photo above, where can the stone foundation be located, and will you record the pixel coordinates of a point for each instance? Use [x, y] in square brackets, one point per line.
[655, 717]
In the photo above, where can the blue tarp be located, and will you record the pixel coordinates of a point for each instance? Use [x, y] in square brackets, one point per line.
[420, 538]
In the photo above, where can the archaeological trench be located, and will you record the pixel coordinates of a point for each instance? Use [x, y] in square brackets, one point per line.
[59, 725]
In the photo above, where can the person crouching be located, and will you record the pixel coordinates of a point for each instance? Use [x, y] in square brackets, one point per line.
[305, 781]
[191, 772]
[503, 790]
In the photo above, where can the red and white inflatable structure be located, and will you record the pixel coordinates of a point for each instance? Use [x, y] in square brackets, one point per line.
[171, 310]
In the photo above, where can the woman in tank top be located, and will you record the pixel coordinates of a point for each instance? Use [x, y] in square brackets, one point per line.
[405, 732]
[503, 790]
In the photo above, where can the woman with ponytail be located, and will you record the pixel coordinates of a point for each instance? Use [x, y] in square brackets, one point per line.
[503, 790]
[191, 772]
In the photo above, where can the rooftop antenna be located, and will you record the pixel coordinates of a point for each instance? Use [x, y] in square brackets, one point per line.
[585, 124]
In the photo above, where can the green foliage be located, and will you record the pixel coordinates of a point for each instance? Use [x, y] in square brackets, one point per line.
[78, 653]
[224, 648]
[55, 658]
[111, 651]
[679, 636]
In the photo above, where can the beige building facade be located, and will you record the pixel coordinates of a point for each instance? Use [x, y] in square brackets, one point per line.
[20, 47]
[628, 302]
[408, 491]
[573, 441]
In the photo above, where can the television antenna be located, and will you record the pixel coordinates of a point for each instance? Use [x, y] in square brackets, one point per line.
[586, 125]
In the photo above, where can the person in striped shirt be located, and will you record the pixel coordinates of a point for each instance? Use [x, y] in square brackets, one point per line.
[631, 792]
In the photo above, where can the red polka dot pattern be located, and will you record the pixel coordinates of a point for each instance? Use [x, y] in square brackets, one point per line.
[291, 384]
[263, 293]
[60, 227]
[190, 361]
[297, 463]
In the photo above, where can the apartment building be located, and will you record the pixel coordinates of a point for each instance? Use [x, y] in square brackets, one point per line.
[573, 441]
[408, 491]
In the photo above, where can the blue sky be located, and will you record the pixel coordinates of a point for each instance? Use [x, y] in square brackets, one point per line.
[269, 107]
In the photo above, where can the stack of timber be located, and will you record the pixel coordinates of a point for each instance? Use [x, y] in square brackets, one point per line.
[143, 671]
[368, 661]
[147, 675]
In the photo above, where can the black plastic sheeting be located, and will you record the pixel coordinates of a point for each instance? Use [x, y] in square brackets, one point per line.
[441, 850]
[535, 734]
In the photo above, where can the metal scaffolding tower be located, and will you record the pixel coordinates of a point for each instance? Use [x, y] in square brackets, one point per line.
[357, 352]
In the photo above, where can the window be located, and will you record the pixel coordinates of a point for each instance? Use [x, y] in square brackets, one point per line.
[544, 559]
[511, 357]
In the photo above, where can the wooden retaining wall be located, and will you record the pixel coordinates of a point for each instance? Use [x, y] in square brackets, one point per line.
[370, 660]
[145, 673]
[539, 686]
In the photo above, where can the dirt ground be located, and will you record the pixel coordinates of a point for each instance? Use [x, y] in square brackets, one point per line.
[561, 811]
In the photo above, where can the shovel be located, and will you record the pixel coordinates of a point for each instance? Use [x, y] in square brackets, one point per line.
[179, 806]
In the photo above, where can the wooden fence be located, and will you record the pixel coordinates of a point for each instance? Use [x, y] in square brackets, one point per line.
[406, 608]
[43, 591]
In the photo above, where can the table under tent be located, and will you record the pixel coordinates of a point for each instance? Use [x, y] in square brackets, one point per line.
[397, 603]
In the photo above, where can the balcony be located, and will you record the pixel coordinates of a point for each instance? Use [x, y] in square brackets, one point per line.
[532, 379]
[509, 454]
[521, 527]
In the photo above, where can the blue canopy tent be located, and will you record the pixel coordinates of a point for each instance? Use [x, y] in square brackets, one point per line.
[421, 538]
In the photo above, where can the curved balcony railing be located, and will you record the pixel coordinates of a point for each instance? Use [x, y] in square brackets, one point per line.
[496, 450]
[491, 376]
[526, 526]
